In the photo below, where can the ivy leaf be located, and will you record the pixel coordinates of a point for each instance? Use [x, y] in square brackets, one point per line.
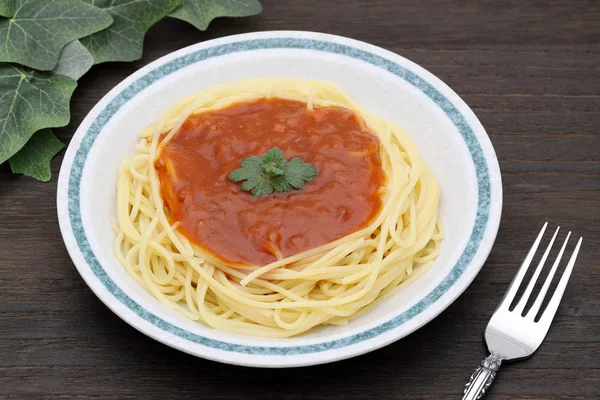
[201, 12]
[34, 158]
[7, 8]
[124, 39]
[39, 29]
[29, 101]
[74, 61]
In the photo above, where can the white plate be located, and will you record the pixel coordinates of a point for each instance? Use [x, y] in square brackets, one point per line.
[445, 130]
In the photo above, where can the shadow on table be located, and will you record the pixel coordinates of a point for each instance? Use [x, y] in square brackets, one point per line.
[397, 369]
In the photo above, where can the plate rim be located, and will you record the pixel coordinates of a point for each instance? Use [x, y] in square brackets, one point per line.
[73, 230]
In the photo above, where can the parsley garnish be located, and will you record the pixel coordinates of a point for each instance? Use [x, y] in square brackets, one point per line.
[271, 172]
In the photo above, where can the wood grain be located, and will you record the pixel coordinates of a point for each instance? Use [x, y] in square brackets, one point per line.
[531, 72]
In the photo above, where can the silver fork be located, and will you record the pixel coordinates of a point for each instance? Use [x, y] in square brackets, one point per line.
[511, 336]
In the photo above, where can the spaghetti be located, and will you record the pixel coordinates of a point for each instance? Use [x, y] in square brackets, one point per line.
[328, 284]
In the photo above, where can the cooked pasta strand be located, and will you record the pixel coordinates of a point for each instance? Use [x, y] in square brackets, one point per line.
[331, 284]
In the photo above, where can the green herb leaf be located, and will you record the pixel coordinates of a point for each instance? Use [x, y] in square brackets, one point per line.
[7, 8]
[273, 162]
[281, 184]
[201, 12]
[74, 61]
[251, 167]
[124, 39]
[30, 101]
[263, 175]
[34, 158]
[297, 172]
[39, 29]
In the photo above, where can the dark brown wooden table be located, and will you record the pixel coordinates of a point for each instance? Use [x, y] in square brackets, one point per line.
[529, 70]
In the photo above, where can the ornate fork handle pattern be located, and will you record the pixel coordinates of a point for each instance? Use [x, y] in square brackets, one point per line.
[483, 377]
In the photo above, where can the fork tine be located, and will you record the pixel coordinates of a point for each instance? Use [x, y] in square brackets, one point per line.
[548, 315]
[525, 297]
[514, 286]
[540, 298]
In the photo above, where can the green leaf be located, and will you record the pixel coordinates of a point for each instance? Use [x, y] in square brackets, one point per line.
[273, 162]
[271, 172]
[297, 172]
[74, 61]
[201, 12]
[39, 30]
[251, 166]
[29, 101]
[124, 39]
[253, 182]
[34, 158]
[7, 8]
[281, 184]
[264, 188]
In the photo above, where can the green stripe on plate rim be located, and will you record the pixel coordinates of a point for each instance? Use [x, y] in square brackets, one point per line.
[158, 73]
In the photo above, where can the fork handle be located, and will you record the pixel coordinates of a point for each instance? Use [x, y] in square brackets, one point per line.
[483, 377]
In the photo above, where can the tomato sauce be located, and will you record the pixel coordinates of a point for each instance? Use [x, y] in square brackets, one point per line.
[214, 213]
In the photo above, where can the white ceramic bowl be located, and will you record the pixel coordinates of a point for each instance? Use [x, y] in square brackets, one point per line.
[445, 130]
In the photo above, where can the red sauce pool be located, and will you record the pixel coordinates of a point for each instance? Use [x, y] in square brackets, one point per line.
[214, 213]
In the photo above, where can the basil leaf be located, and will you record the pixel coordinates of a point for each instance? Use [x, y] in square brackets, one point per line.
[201, 12]
[39, 29]
[124, 39]
[34, 158]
